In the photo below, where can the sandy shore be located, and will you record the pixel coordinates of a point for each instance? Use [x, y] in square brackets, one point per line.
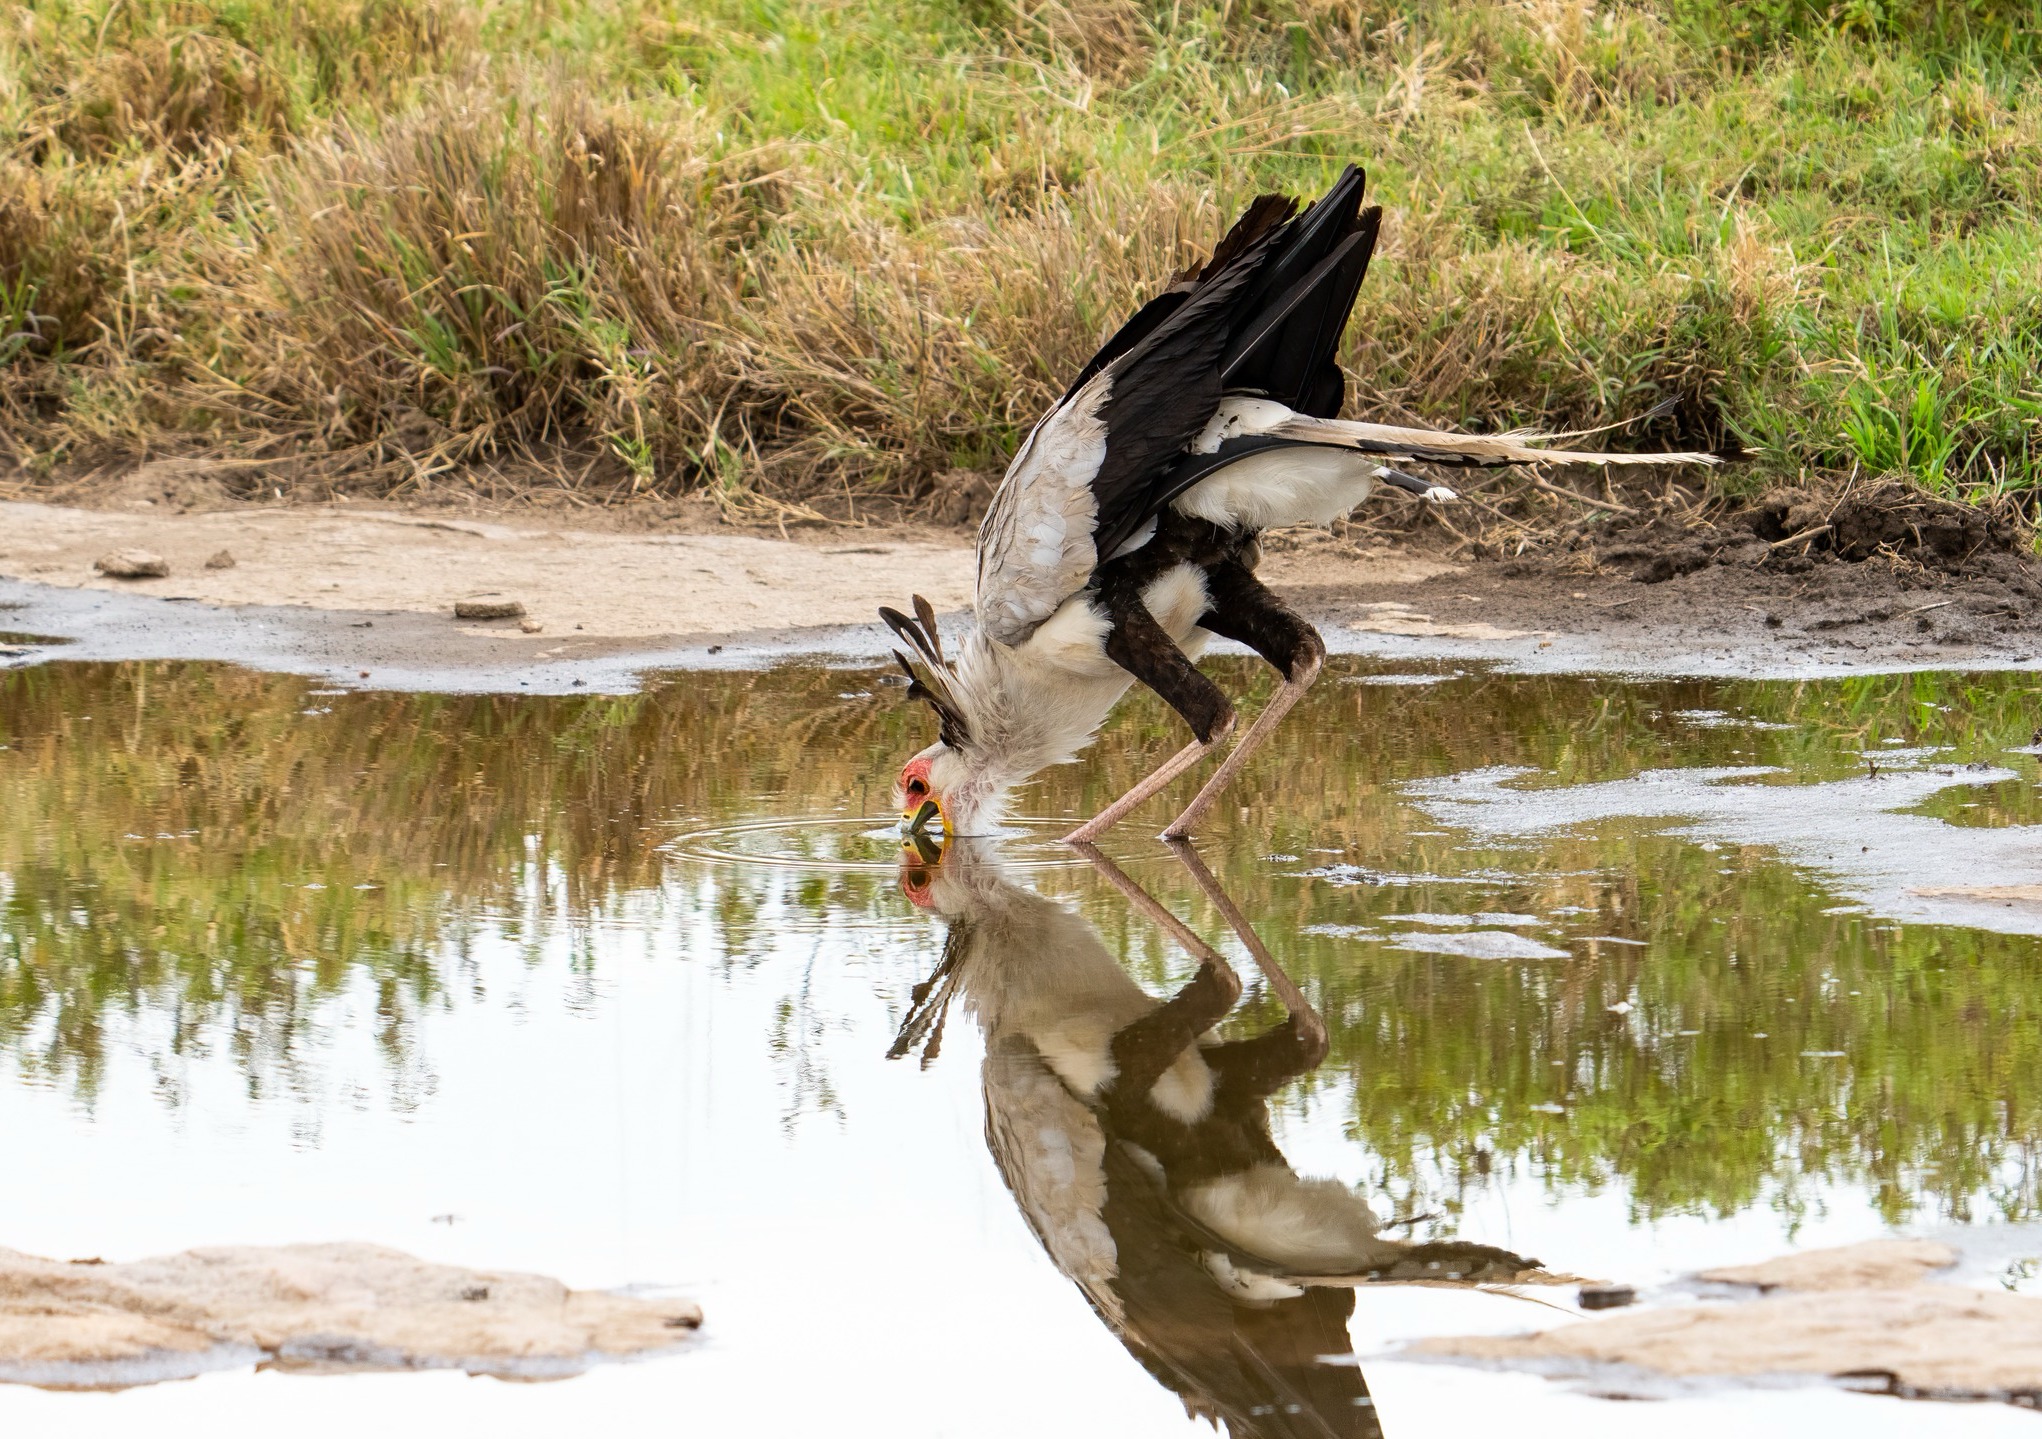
[367, 596]
[613, 585]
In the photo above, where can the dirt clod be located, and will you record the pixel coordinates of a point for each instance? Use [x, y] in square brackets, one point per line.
[1606, 1296]
[1891, 517]
[132, 565]
[488, 610]
[220, 560]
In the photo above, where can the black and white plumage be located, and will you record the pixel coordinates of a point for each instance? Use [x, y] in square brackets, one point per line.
[1123, 535]
[1138, 1148]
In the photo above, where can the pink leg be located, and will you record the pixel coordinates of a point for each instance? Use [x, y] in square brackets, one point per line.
[1171, 925]
[1310, 1026]
[1157, 778]
[1265, 725]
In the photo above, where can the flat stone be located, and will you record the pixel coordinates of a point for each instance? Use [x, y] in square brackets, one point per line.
[1934, 1340]
[1875, 1264]
[134, 564]
[1857, 1312]
[323, 1308]
[488, 610]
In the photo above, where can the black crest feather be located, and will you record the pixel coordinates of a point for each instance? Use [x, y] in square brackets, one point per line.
[930, 1000]
[928, 672]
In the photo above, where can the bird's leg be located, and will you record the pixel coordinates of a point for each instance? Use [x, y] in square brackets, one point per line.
[1149, 905]
[1145, 650]
[1144, 1049]
[1242, 609]
[1157, 779]
[1305, 1020]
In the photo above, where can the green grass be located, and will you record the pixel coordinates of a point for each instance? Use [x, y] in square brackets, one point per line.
[836, 253]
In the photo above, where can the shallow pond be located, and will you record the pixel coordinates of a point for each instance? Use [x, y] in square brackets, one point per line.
[1629, 977]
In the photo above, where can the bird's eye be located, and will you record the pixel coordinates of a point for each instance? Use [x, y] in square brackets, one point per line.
[917, 788]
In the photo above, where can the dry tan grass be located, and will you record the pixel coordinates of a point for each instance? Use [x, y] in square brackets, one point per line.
[691, 245]
[483, 274]
[486, 277]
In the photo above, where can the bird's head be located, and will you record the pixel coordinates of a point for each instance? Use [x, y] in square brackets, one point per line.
[947, 789]
[942, 793]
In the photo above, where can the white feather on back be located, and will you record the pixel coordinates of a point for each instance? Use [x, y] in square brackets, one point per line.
[1035, 545]
[1305, 485]
[1308, 1226]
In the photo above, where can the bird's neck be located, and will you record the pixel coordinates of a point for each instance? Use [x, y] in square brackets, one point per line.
[1026, 715]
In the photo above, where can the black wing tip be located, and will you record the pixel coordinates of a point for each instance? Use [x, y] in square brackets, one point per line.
[1263, 214]
[1731, 452]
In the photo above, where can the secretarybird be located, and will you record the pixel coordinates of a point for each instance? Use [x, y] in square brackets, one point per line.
[1125, 532]
[1138, 1145]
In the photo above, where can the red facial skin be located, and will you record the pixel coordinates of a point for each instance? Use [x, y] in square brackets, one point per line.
[918, 883]
[917, 879]
[914, 784]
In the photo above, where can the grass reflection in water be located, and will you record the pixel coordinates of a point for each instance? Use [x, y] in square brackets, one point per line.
[206, 856]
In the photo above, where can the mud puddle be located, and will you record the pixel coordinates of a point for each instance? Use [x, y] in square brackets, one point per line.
[1633, 979]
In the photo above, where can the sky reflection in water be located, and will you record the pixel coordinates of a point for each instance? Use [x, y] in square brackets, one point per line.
[584, 974]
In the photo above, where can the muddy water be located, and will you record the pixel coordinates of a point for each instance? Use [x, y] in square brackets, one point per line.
[1628, 978]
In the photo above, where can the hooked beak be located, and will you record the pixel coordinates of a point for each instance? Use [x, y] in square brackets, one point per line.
[928, 818]
[919, 856]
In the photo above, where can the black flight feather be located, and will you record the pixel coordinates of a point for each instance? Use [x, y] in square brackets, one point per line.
[1290, 352]
[1164, 391]
[1264, 316]
[1263, 213]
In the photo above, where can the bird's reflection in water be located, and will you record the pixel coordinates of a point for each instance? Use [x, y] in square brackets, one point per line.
[1138, 1148]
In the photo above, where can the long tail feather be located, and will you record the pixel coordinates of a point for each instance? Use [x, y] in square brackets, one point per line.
[1442, 447]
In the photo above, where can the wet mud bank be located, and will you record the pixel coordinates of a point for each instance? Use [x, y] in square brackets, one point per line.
[337, 592]
[1840, 621]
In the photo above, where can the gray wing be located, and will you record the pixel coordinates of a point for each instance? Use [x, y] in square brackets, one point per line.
[1052, 1153]
[1035, 548]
